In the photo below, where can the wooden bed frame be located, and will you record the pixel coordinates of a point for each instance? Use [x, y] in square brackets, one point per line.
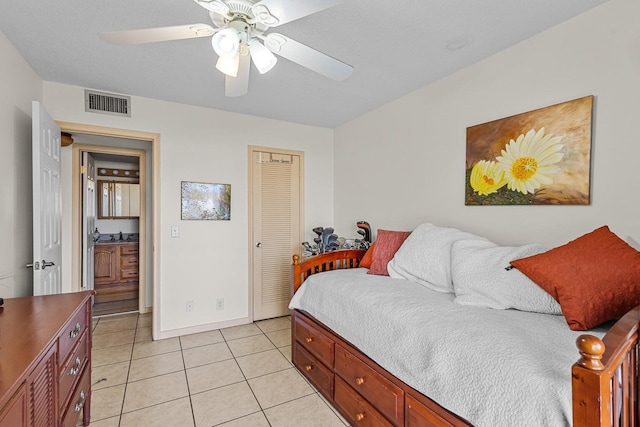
[604, 379]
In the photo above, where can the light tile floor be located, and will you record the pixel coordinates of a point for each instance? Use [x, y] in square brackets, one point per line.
[234, 377]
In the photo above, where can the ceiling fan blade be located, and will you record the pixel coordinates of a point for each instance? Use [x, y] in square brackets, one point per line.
[217, 6]
[307, 57]
[160, 34]
[238, 86]
[277, 12]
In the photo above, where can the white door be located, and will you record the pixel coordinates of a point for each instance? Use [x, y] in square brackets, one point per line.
[47, 203]
[88, 218]
[276, 229]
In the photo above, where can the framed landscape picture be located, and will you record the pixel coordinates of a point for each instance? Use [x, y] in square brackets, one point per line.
[205, 201]
[541, 157]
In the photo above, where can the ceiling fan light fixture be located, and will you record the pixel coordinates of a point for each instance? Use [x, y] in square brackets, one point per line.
[262, 57]
[226, 43]
[229, 66]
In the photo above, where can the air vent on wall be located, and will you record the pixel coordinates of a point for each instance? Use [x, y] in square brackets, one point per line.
[107, 103]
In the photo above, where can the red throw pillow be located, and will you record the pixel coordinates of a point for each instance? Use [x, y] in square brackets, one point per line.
[387, 244]
[367, 258]
[595, 278]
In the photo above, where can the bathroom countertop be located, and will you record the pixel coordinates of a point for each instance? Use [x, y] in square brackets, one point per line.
[116, 242]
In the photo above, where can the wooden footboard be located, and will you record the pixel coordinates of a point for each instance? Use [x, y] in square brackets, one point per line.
[324, 262]
[604, 379]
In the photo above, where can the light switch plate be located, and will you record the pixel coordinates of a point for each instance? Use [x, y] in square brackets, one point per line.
[175, 231]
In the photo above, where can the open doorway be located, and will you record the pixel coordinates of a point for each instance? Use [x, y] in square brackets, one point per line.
[112, 194]
[111, 242]
[116, 153]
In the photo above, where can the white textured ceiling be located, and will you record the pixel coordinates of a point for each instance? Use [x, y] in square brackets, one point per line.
[395, 47]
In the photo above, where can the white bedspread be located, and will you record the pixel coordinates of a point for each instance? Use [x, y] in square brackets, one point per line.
[492, 367]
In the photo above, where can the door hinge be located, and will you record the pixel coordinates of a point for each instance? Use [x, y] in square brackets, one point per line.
[83, 169]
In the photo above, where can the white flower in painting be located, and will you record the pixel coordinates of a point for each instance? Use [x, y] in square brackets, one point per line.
[530, 160]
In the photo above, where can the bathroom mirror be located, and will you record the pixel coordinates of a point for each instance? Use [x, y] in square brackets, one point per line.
[118, 200]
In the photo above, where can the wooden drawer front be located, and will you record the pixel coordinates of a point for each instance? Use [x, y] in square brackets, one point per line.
[315, 342]
[317, 373]
[383, 394]
[72, 332]
[70, 371]
[128, 274]
[355, 408]
[419, 415]
[80, 396]
[127, 261]
[128, 249]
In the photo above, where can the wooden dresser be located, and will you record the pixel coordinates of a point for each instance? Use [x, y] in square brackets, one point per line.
[45, 360]
[363, 392]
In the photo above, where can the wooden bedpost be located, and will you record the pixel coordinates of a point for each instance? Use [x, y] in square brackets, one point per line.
[591, 349]
[605, 378]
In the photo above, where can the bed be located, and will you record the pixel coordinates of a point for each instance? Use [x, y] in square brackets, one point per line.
[564, 378]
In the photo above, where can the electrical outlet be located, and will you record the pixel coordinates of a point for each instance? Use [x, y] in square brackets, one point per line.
[220, 304]
[190, 305]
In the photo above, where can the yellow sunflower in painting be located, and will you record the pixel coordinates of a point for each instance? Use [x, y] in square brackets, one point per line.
[530, 160]
[487, 177]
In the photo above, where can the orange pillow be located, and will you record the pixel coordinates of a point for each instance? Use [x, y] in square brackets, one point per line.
[367, 258]
[387, 244]
[595, 278]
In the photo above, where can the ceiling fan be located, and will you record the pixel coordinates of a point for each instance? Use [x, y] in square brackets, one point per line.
[239, 37]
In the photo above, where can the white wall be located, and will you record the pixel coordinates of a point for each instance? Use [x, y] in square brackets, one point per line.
[413, 149]
[210, 258]
[19, 85]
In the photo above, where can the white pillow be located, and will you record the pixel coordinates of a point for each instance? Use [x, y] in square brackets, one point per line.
[480, 278]
[425, 257]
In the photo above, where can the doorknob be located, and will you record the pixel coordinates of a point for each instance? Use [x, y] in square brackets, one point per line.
[46, 264]
[35, 265]
[259, 245]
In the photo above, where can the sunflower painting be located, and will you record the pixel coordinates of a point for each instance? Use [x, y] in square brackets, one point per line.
[541, 157]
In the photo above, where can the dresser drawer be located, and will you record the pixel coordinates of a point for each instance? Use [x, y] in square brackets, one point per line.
[317, 373]
[128, 249]
[128, 274]
[127, 261]
[419, 415]
[313, 340]
[72, 332]
[79, 398]
[72, 367]
[355, 408]
[382, 393]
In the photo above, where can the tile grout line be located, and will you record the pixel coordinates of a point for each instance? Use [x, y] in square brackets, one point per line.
[186, 377]
[235, 359]
[126, 384]
[233, 356]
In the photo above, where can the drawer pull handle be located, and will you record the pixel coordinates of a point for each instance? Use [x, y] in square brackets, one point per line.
[359, 380]
[76, 331]
[80, 403]
[74, 371]
[308, 340]
[308, 368]
[360, 416]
